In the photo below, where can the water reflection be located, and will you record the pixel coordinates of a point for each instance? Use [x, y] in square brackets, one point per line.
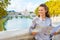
[18, 23]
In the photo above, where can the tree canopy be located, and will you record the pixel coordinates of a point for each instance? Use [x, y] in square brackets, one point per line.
[3, 5]
[3, 13]
[54, 7]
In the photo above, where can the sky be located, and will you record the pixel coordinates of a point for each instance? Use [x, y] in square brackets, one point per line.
[20, 5]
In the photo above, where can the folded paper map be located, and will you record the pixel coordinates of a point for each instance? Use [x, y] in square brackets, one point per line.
[43, 29]
[55, 29]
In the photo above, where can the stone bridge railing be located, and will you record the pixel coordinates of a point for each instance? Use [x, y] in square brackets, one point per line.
[16, 35]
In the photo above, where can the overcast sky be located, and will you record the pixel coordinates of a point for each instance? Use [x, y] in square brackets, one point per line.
[19, 5]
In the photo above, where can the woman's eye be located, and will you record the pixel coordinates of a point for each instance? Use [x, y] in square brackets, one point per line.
[40, 10]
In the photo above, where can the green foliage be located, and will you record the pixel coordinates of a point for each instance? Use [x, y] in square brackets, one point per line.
[54, 7]
[36, 11]
[4, 3]
[3, 13]
[2, 21]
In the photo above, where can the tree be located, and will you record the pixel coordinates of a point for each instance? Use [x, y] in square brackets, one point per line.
[54, 7]
[3, 5]
[36, 11]
[3, 13]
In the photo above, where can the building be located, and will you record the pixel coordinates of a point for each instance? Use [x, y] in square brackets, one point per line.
[24, 13]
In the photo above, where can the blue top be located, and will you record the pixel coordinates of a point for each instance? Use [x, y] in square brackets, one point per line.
[38, 22]
[42, 23]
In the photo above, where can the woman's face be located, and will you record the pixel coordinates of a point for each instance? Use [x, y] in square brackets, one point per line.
[41, 11]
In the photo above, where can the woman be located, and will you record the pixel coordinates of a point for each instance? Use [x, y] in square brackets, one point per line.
[43, 20]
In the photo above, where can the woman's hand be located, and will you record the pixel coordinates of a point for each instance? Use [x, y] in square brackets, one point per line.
[34, 33]
[56, 33]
